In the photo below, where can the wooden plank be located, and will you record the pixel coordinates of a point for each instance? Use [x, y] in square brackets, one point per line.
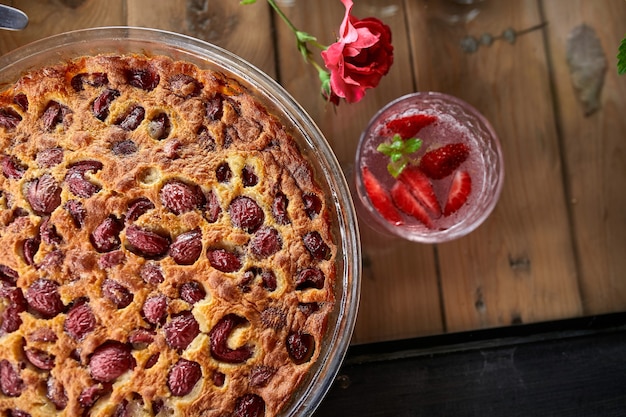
[519, 266]
[594, 152]
[399, 295]
[223, 23]
[48, 18]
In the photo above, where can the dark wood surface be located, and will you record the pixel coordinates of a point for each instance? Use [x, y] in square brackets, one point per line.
[566, 368]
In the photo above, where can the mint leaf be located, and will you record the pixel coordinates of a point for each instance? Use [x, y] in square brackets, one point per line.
[395, 156]
[621, 58]
[386, 149]
[399, 151]
[412, 145]
[395, 168]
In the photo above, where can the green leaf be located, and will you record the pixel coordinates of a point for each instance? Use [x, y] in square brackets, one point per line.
[395, 168]
[247, 2]
[412, 145]
[385, 149]
[324, 76]
[304, 51]
[325, 80]
[395, 156]
[621, 57]
[397, 145]
[304, 37]
[399, 151]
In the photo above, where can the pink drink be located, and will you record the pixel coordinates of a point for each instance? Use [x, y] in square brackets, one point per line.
[455, 122]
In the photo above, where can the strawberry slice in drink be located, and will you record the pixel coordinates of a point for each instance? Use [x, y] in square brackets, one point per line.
[441, 162]
[406, 202]
[421, 188]
[380, 198]
[459, 192]
[408, 127]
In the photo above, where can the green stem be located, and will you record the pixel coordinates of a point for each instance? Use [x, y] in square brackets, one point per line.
[291, 26]
[282, 15]
[317, 66]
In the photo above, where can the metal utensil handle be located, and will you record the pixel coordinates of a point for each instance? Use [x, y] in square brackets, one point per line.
[12, 18]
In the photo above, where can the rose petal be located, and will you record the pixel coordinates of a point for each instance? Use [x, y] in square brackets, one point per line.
[348, 33]
[361, 56]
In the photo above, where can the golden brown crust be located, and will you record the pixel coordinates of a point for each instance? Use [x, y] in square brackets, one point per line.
[83, 142]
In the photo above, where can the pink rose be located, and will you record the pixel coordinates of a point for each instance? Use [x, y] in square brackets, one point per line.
[360, 58]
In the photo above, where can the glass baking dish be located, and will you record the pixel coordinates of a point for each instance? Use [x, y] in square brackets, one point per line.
[129, 40]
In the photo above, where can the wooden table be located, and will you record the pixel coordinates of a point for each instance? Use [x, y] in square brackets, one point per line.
[555, 246]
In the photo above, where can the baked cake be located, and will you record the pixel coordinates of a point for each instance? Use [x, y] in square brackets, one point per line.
[165, 248]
